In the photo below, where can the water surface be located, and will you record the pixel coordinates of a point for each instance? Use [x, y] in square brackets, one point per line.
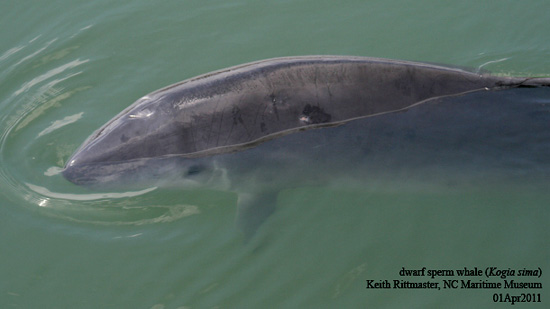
[67, 67]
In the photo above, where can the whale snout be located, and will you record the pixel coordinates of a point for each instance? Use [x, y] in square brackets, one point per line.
[99, 174]
[89, 170]
[76, 175]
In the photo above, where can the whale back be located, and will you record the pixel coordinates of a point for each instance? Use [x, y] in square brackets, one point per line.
[238, 107]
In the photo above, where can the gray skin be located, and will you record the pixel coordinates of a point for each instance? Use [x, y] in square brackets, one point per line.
[234, 129]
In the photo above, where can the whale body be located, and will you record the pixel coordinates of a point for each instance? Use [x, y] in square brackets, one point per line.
[261, 127]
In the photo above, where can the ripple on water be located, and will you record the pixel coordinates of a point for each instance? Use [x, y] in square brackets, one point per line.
[40, 99]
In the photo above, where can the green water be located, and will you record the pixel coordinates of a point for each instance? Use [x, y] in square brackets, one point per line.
[67, 67]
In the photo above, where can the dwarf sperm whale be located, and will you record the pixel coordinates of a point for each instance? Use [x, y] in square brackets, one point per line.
[249, 128]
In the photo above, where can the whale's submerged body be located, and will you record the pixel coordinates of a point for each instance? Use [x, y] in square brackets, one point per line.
[249, 129]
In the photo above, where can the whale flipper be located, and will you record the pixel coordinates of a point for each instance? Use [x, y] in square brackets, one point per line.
[253, 209]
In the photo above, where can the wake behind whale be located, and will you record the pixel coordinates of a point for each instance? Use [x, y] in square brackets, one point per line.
[259, 128]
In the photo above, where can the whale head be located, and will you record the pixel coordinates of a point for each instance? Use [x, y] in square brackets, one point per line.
[142, 145]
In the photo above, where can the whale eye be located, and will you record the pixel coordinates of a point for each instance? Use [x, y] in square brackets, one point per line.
[195, 169]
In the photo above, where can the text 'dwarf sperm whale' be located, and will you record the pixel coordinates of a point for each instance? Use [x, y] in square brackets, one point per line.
[209, 130]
